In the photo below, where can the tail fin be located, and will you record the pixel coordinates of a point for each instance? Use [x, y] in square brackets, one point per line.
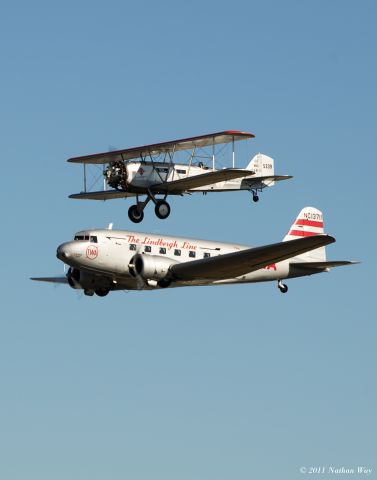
[309, 222]
[263, 166]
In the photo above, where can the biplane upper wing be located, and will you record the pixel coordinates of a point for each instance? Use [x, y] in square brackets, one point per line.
[164, 147]
[188, 183]
[232, 265]
[101, 195]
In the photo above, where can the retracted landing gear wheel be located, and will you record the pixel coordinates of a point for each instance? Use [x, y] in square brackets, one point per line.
[162, 209]
[135, 215]
[88, 292]
[255, 198]
[101, 292]
[164, 283]
[282, 287]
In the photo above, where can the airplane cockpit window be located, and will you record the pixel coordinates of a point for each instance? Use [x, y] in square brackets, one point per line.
[86, 237]
[79, 237]
[93, 239]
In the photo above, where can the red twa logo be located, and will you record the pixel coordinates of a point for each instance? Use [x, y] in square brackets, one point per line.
[92, 252]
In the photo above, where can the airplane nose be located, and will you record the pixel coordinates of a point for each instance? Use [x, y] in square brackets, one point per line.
[62, 252]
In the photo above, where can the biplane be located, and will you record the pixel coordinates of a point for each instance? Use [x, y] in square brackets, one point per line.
[154, 172]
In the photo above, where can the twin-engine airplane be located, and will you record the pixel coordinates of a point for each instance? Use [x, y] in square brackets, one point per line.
[152, 171]
[105, 260]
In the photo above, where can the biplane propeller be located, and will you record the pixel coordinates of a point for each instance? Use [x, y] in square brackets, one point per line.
[152, 171]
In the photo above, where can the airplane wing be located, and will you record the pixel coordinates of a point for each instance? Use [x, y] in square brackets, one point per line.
[165, 147]
[188, 183]
[233, 265]
[51, 279]
[102, 195]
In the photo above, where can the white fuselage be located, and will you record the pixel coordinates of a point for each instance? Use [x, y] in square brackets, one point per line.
[141, 175]
[105, 258]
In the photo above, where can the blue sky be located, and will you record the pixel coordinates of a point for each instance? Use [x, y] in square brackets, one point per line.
[203, 383]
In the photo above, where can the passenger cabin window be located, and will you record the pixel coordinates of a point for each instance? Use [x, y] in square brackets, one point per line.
[177, 252]
[206, 255]
[192, 254]
[162, 170]
[132, 246]
[148, 249]
[93, 239]
[163, 251]
[182, 172]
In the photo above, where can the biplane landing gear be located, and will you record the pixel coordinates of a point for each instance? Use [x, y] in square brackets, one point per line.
[135, 215]
[255, 198]
[282, 287]
[162, 209]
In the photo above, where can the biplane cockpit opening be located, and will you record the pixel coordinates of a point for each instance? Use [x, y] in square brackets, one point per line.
[176, 167]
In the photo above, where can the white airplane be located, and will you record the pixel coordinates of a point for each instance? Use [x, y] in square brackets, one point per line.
[105, 260]
[150, 171]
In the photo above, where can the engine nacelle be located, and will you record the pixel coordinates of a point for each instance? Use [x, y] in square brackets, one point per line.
[86, 281]
[150, 267]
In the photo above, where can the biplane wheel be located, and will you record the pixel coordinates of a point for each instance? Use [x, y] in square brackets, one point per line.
[255, 198]
[101, 292]
[162, 209]
[135, 215]
[283, 287]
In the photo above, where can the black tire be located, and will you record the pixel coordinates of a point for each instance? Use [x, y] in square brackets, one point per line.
[164, 283]
[101, 292]
[134, 215]
[283, 288]
[162, 209]
[255, 198]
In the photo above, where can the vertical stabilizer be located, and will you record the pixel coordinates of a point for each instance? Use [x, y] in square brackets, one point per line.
[263, 166]
[309, 222]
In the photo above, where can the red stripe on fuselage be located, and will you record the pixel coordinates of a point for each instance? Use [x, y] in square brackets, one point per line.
[302, 233]
[309, 223]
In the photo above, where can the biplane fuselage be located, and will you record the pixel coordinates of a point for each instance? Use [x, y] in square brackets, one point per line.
[144, 175]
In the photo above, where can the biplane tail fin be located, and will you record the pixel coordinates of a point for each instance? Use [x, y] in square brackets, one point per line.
[263, 166]
[309, 222]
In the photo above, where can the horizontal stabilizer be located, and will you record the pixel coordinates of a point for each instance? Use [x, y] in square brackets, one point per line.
[51, 279]
[232, 265]
[266, 179]
[322, 265]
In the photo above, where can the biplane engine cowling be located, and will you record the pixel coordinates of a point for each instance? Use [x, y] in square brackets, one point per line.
[116, 175]
[151, 267]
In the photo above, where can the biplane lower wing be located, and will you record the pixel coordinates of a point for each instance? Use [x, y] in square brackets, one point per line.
[102, 195]
[233, 265]
[188, 183]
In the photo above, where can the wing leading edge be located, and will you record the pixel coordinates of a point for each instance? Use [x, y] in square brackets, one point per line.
[164, 147]
[232, 265]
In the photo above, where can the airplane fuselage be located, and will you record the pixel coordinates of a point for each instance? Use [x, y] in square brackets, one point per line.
[105, 259]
